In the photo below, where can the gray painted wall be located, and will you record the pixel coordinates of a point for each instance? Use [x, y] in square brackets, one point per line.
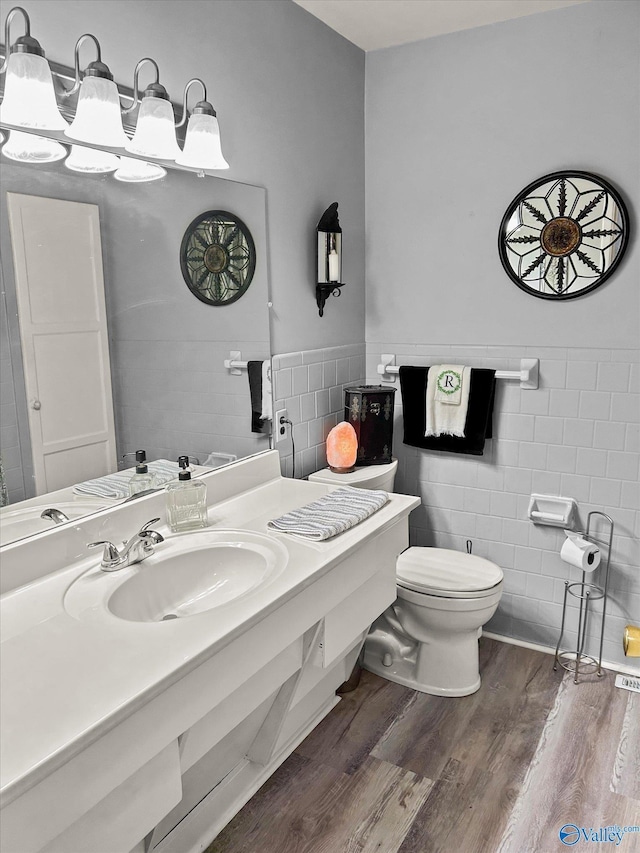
[289, 93]
[456, 127]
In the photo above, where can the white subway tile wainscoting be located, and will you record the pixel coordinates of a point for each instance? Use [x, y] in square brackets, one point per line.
[577, 436]
[310, 385]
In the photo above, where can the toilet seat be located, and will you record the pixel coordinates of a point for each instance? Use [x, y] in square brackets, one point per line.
[447, 574]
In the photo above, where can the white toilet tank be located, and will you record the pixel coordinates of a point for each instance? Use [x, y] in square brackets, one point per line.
[366, 477]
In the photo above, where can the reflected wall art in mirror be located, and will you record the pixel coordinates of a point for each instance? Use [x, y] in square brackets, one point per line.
[563, 235]
[217, 257]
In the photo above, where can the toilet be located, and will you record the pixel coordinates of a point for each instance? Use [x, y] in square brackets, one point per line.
[428, 638]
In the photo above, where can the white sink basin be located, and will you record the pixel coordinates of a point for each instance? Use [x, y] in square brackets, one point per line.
[187, 575]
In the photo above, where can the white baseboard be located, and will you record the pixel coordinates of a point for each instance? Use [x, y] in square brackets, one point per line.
[548, 650]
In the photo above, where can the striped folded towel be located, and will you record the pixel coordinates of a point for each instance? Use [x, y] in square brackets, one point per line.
[117, 485]
[332, 514]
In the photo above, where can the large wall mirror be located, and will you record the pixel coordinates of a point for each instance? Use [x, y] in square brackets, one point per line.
[169, 389]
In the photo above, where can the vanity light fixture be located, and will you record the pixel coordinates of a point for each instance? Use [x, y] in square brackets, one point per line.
[202, 148]
[155, 135]
[29, 148]
[91, 161]
[37, 98]
[98, 118]
[29, 97]
[134, 171]
[329, 256]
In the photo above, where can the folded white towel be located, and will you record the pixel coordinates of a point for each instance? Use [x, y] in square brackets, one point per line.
[116, 485]
[442, 417]
[267, 395]
[332, 514]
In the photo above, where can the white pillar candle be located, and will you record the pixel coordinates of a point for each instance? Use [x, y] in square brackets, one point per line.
[334, 266]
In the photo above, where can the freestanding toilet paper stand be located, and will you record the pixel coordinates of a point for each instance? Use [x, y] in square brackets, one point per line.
[576, 660]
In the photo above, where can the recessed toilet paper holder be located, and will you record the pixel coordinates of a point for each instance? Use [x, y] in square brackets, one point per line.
[552, 509]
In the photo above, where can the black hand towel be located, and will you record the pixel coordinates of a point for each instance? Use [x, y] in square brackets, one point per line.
[254, 369]
[478, 426]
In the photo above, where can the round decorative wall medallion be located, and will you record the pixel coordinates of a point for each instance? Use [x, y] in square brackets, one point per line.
[563, 235]
[217, 257]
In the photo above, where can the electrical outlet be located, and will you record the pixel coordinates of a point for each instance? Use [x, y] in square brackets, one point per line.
[281, 429]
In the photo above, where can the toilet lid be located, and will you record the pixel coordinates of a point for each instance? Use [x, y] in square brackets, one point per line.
[447, 573]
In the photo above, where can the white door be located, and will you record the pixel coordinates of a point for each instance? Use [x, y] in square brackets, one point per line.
[57, 256]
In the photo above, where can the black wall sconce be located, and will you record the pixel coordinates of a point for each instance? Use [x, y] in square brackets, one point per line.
[329, 256]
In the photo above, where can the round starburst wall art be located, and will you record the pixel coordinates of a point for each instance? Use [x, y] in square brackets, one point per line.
[217, 257]
[563, 235]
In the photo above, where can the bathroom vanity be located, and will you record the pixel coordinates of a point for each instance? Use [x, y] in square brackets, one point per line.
[129, 728]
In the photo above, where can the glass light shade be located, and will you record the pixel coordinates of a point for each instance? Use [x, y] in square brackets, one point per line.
[342, 448]
[29, 148]
[202, 149]
[137, 171]
[155, 134]
[98, 118]
[29, 98]
[91, 161]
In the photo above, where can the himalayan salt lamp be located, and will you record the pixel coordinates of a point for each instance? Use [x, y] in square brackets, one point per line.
[342, 448]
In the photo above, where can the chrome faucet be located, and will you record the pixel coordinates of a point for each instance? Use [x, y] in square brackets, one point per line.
[138, 548]
[54, 515]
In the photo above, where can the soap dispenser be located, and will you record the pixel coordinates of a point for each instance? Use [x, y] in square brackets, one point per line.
[142, 480]
[186, 501]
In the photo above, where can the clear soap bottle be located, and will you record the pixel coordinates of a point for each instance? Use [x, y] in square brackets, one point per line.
[142, 480]
[186, 501]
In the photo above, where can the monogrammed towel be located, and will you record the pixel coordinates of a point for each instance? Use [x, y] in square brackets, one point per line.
[446, 384]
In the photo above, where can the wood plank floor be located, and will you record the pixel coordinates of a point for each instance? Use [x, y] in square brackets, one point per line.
[396, 771]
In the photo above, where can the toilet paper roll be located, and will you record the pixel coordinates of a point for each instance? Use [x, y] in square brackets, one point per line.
[631, 641]
[581, 553]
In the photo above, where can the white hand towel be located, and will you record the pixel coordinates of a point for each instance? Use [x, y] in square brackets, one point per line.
[442, 418]
[267, 395]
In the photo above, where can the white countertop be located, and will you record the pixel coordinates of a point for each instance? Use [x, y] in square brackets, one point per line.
[65, 681]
